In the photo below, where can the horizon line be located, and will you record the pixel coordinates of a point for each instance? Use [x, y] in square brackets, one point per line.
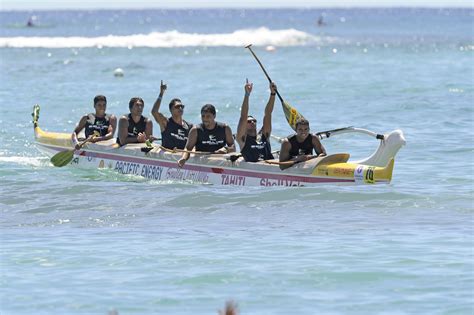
[351, 7]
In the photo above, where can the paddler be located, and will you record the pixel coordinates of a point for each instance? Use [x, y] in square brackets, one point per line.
[255, 146]
[174, 130]
[97, 126]
[134, 127]
[209, 136]
[299, 147]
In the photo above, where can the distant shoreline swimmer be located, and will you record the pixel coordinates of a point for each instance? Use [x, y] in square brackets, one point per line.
[321, 21]
[30, 22]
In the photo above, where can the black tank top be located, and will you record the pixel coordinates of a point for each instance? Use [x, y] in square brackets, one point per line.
[210, 140]
[97, 125]
[306, 147]
[135, 128]
[175, 135]
[255, 150]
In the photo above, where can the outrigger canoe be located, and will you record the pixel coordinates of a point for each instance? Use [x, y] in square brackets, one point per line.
[157, 163]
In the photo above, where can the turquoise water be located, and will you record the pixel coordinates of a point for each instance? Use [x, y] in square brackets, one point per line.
[81, 242]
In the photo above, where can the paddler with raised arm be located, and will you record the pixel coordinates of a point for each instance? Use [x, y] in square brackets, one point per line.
[134, 127]
[174, 130]
[209, 136]
[299, 146]
[255, 146]
[97, 126]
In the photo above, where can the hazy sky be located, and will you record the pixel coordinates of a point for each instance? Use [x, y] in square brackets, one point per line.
[136, 4]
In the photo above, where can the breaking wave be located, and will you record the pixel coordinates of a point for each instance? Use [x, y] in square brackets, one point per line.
[260, 37]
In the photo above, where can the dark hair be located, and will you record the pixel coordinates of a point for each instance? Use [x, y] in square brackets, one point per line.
[99, 98]
[208, 108]
[133, 100]
[174, 101]
[301, 121]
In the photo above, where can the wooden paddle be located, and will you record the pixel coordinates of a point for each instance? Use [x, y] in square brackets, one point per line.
[291, 114]
[64, 157]
[176, 150]
[289, 163]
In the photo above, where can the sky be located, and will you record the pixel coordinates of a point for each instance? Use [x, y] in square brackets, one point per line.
[163, 4]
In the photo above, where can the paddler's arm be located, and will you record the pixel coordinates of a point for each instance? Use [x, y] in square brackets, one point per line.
[285, 153]
[318, 147]
[148, 130]
[123, 131]
[79, 127]
[244, 112]
[110, 131]
[229, 141]
[267, 118]
[192, 140]
[155, 111]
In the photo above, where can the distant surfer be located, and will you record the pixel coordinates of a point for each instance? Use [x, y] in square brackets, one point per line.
[30, 22]
[321, 21]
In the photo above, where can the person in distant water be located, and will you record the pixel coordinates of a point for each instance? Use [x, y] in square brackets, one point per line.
[134, 127]
[97, 126]
[321, 21]
[255, 146]
[299, 147]
[174, 130]
[30, 22]
[231, 308]
[209, 136]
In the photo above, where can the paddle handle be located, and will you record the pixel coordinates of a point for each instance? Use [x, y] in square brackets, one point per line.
[264, 71]
[290, 163]
[83, 143]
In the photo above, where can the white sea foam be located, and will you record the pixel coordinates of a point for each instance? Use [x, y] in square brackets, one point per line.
[259, 37]
[24, 160]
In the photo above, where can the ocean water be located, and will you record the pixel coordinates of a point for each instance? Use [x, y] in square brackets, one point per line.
[82, 242]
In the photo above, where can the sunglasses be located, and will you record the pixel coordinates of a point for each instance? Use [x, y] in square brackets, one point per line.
[251, 121]
[179, 106]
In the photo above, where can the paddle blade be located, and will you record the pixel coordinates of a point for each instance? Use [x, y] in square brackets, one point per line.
[62, 158]
[291, 114]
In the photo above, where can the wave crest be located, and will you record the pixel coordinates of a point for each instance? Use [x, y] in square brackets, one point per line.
[259, 37]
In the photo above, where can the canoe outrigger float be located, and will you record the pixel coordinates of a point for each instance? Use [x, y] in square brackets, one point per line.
[157, 163]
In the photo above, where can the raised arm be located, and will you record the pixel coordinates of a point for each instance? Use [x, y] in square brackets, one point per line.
[267, 118]
[155, 111]
[244, 112]
[192, 140]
